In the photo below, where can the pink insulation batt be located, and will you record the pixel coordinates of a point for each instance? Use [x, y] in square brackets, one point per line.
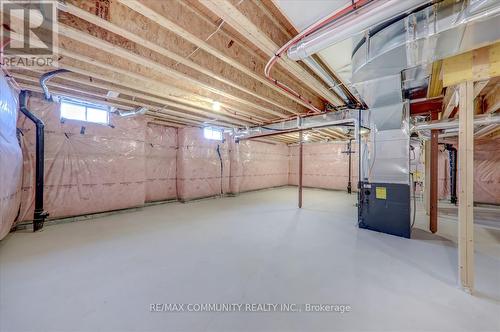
[324, 165]
[161, 162]
[11, 159]
[200, 171]
[92, 168]
[257, 165]
[487, 172]
[88, 167]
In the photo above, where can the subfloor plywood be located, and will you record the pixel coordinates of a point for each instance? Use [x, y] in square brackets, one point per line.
[103, 274]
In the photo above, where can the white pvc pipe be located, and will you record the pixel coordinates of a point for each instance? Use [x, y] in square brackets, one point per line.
[482, 120]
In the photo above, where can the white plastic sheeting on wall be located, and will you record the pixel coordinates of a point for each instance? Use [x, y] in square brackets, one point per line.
[89, 167]
[11, 159]
[325, 165]
[257, 165]
[201, 171]
[161, 162]
[486, 172]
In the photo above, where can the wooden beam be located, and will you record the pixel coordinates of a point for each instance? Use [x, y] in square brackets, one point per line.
[336, 133]
[479, 86]
[476, 65]
[450, 101]
[247, 28]
[155, 16]
[107, 71]
[128, 57]
[154, 109]
[492, 100]
[143, 61]
[426, 106]
[130, 91]
[485, 131]
[125, 32]
[466, 180]
[166, 123]
[436, 84]
[427, 176]
[103, 101]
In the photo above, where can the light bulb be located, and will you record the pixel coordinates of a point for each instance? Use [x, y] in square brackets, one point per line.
[216, 106]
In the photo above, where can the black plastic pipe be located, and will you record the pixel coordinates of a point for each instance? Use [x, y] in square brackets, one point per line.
[453, 172]
[39, 215]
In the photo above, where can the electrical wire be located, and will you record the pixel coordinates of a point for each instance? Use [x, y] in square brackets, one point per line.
[210, 36]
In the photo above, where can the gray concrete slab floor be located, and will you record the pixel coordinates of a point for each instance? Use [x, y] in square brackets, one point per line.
[256, 248]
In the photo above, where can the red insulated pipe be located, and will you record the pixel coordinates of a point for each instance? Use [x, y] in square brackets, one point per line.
[311, 29]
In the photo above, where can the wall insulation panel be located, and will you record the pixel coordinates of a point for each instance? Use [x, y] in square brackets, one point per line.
[325, 165]
[202, 165]
[161, 162]
[257, 165]
[11, 159]
[487, 171]
[89, 167]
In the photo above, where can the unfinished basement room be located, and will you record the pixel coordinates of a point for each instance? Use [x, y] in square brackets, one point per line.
[249, 165]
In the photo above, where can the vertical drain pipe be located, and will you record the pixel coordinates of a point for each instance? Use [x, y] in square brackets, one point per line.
[221, 170]
[39, 215]
[453, 173]
[301, 148]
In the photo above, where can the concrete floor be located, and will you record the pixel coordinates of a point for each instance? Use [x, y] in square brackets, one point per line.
[102, 274]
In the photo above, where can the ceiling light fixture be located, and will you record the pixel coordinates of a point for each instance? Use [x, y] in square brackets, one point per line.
[216, 106]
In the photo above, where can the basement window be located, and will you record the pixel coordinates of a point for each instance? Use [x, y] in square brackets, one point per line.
[75, 109]
[212, 133]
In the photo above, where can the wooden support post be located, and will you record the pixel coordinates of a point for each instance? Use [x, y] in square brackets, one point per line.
[466, 179]
[433, 192]
[427, 176]
[301, 148]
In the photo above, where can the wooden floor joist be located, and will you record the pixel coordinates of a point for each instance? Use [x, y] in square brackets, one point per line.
[121, 106]
[121, 101]
[88, 82]
[132, 50]
[144, 10]
[230, 14]
[122, 31]
[133, 57]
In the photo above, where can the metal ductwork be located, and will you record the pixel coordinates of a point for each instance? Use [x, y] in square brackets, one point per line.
[392, 42]
[347, 118]
[369, 15]
[138, 111]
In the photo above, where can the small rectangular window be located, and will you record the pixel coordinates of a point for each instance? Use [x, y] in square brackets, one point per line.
[80, 110]
[212, 133]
